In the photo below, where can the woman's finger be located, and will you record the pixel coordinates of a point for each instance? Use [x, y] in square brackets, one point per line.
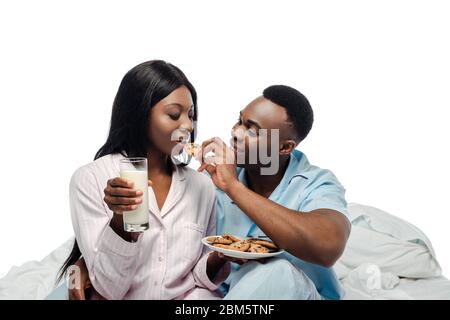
[231, 259]
[120, 209]
[150, 183]
[122, 200]
[120, 182]
[122, 192]
[76, 294]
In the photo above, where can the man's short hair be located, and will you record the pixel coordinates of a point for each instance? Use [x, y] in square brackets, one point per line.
[297, 106]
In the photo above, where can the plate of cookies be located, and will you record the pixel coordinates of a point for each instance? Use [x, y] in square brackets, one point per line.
[248, 248]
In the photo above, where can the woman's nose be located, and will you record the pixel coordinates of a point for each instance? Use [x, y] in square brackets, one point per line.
[186, 129]
[187, 125]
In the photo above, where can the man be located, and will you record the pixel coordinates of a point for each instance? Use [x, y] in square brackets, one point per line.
[300, 207]
[282, 197]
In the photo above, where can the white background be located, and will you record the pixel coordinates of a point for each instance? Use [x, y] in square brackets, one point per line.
[377, 74]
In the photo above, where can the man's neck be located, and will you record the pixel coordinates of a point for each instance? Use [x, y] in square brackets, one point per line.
[264, 185]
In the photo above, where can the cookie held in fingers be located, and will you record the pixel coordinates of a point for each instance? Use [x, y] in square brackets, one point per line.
[256, 248]
[242, 245]
[192, 149]
[219, 240]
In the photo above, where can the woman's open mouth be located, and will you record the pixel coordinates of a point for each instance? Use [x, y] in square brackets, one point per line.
[183, 139]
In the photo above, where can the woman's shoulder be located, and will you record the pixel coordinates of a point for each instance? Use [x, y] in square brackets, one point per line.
[100, 169]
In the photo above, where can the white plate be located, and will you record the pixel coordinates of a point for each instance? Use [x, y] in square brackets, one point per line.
[240, 254]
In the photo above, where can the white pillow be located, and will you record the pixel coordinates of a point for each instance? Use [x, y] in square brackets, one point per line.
[393, 244]
[34, 279]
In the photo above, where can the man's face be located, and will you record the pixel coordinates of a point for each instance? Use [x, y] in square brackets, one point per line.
[262, 129]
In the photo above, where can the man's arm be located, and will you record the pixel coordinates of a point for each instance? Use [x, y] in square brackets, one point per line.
[318, 236]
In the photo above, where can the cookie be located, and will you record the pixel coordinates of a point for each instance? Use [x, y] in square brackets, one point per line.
[230, 237]
[256, 248]
[265, 243]
[218, 239]
[242, 245]
[192, 149]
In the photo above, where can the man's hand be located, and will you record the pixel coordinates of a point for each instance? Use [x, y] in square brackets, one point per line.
[221, 167]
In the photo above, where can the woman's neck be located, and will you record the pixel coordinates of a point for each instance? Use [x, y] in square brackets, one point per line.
[158, 164]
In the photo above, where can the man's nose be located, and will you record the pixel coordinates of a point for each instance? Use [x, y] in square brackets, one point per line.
[238, 133]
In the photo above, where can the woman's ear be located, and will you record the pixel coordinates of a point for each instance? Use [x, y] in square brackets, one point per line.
[287, 146]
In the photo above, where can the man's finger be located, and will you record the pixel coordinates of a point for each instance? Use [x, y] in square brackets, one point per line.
[211, 169]
[207, 149]
[207, 142]
[202, 167]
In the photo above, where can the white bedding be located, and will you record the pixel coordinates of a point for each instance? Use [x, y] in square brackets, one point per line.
[386, 258]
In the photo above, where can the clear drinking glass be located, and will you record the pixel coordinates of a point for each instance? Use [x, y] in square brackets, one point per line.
[135, 169]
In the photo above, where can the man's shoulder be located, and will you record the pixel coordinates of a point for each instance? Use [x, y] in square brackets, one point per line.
[309, 172]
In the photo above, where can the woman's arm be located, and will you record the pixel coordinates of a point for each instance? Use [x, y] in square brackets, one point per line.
[110, 259]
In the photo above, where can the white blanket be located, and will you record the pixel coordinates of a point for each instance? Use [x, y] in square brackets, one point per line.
[385, 258]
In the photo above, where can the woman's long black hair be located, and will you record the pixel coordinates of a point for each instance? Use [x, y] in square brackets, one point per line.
[140, 89]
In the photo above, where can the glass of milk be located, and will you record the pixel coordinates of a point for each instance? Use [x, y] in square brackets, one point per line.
[135, 169]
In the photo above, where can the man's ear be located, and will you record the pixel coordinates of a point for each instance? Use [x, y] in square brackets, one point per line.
[287, 146]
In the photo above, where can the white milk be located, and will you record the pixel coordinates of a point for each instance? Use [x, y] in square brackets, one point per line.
[141, 214]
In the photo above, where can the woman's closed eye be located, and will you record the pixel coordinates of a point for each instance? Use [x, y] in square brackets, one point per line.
[174, 116]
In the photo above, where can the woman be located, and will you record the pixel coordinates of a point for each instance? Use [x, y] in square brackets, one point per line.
[154, 110]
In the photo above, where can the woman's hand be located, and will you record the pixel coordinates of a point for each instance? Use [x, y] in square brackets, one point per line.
[121, 196]
[78, 293]
[85, 291]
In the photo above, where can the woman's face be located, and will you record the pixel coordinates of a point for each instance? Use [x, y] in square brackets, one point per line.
[171, 120]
